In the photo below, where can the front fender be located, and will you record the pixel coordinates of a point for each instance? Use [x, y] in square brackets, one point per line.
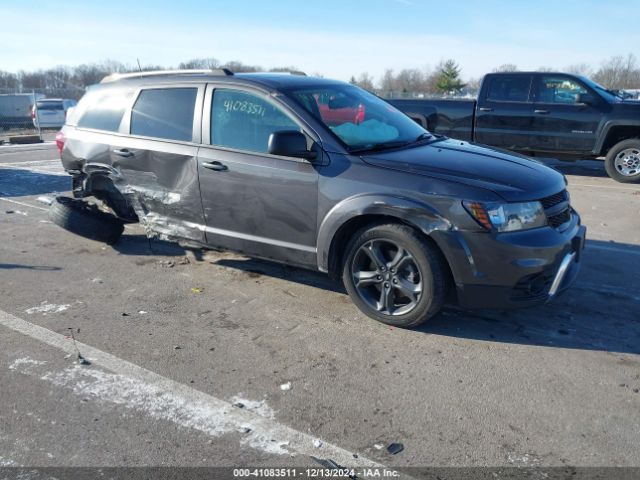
[606, 129]
[419, 214]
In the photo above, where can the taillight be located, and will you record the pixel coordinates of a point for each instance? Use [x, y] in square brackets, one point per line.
[60, 139]
[33, 113]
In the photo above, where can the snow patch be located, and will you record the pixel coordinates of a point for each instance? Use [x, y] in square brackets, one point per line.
[161, 404]
[46, 308]
[25, 364]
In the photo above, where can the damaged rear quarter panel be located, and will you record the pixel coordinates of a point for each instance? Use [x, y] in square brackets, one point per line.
[159, 179]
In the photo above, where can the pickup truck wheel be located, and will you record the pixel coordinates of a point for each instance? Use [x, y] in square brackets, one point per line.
[85, 219]
[394, 275]
[623, 161]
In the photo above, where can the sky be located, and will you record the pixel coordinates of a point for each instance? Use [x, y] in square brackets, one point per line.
[336, 38]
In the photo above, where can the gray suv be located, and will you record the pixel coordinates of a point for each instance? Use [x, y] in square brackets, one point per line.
[323, 175]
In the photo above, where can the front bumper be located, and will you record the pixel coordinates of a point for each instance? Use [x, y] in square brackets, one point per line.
[514, 270]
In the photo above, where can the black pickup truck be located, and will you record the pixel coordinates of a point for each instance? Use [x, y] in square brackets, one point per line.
[542, 114]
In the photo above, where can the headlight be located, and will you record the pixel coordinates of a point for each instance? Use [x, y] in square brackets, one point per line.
[507, 217]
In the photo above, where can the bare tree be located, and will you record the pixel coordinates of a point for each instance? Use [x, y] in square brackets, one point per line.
[580, 69]
[619, 72]
[200, 63]
[365, 81]
[507, 67]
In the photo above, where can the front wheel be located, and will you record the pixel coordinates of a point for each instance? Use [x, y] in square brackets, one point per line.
[623, 161]
[394, 275]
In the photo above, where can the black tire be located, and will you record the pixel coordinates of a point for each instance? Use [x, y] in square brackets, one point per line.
[424, 257]
[631, 145]
[86, 220]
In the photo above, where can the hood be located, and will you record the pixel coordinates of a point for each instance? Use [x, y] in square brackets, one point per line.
[513, 177]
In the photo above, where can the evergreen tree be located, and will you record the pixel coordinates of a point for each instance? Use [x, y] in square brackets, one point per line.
[449, 77]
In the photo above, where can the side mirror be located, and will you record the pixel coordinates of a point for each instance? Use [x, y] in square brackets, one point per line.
[290, 143]
[585, 98]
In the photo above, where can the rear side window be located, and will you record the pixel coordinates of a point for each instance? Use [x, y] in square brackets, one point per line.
[49, 106]
[244, 121]
[509, 88]
[102, 110]
[165, 113]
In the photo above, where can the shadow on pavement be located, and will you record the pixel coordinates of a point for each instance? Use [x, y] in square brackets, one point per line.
[15, 182]
[599, 312]
[11, 266]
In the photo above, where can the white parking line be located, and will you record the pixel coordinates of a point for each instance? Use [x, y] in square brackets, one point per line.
[147, 392]
[22, 203]
[614, 187]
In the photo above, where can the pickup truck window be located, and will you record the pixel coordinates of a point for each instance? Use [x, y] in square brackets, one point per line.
[358, 118]
[559, 90]
[509, 88]
[244, 121]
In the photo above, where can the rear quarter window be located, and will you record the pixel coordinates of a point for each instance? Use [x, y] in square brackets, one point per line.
[102, 110]
[165, 113]
[509, 88]
[49, 106]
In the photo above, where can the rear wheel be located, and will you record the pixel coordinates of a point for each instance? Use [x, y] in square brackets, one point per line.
[623, 161]
[394, 275]
[85, 219]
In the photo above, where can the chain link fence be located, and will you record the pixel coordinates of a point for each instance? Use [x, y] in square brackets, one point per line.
[34, 115]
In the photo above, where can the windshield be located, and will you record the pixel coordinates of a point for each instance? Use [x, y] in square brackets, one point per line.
[360, 119]
[608, 94]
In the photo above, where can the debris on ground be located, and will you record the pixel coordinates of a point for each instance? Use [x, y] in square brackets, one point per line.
[167, 263]
[19, 212]
[238, 404]
[378, 446]
[97, 280]
[395, 448]
[45, 200]
[317, 443]
[81, 359]
[177, 347]
[142, 312]
[197, 290]
[184, 261]
[125, 314]
[285, 386]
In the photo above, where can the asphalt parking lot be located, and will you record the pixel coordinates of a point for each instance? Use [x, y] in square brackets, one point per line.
[207, 358]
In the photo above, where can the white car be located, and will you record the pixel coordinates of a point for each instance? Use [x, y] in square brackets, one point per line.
[51, 112]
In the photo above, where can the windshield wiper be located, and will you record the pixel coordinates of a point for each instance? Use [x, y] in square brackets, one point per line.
[376, 147]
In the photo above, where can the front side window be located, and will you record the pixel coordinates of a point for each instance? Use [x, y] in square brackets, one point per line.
[509, 88]
[559, 90]
[165, 113]
[102, 109]
[360, 119]
[244, 121]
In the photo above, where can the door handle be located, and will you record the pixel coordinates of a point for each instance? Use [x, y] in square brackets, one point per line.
[217, 166]
[541, 112]
[123, 152]
[486, 109]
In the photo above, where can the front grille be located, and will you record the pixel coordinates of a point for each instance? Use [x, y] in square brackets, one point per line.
[557, 208]
[553, 200]
[559, 219]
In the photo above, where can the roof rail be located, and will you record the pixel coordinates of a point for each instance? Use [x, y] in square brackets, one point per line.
[155, 73]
